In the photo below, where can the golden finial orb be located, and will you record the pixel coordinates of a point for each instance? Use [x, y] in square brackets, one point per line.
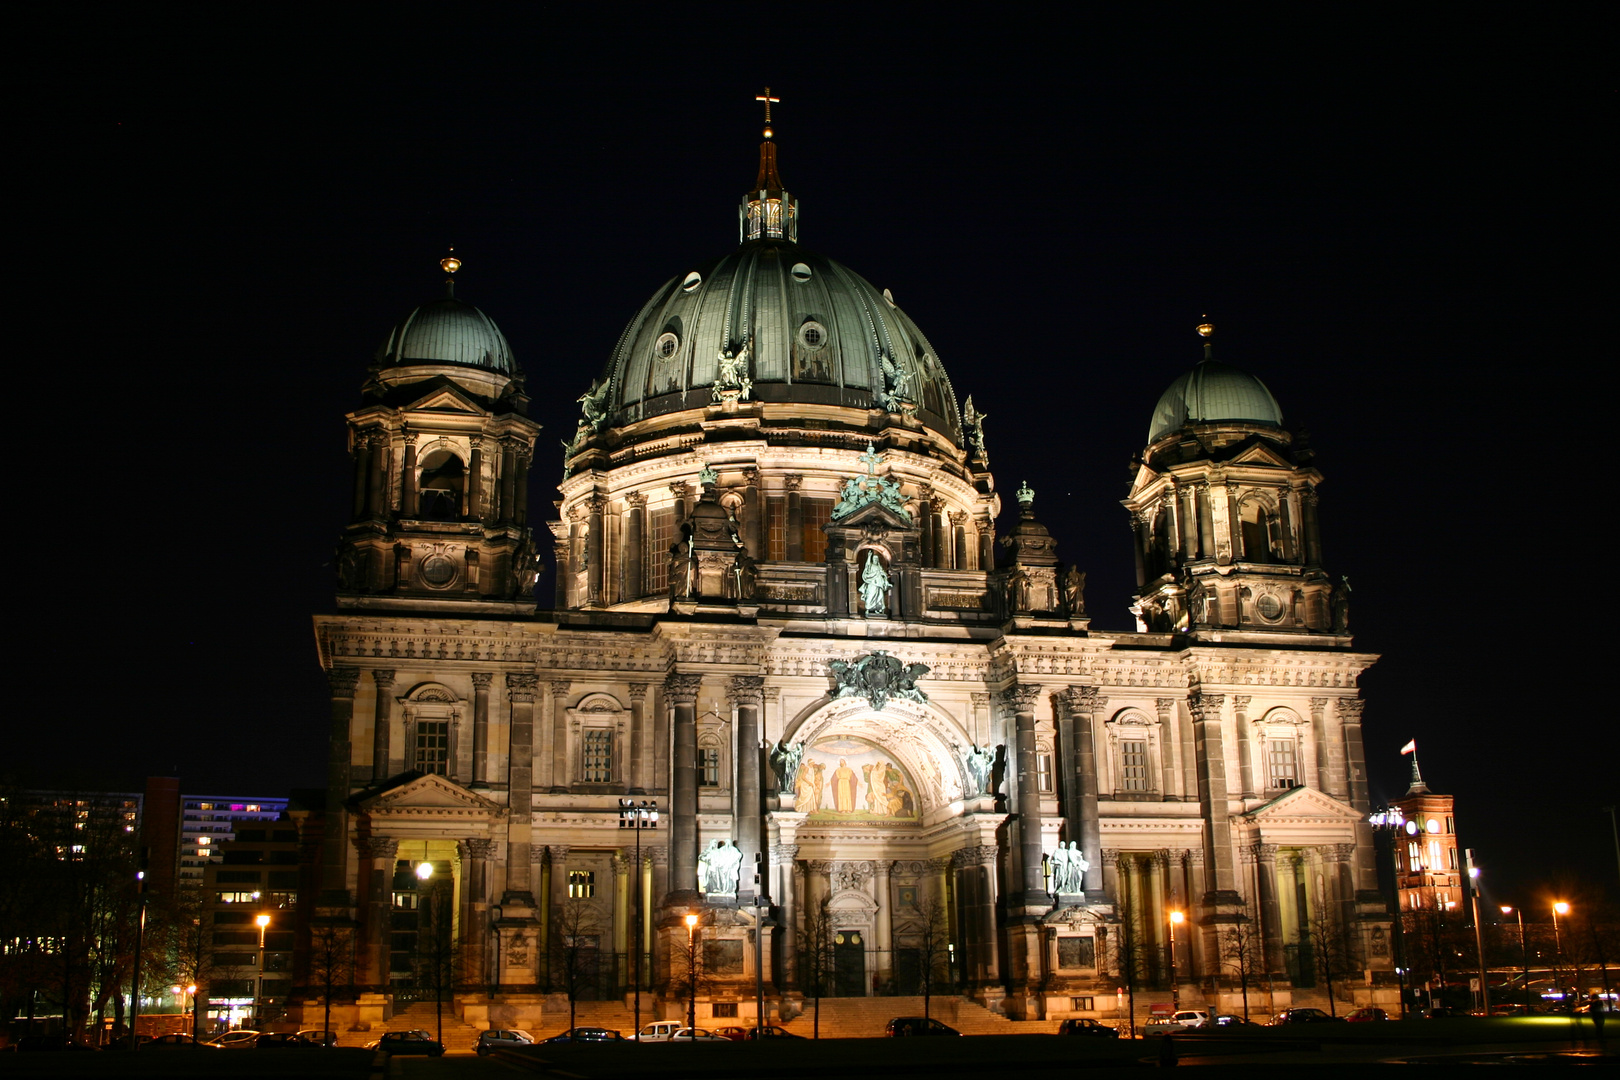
[1206, 328]
[450, 264]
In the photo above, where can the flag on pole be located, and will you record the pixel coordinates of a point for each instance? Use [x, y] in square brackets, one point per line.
[1410, 748]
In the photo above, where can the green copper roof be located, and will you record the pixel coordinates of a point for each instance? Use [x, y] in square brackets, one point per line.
[447, 331]
[1212, 392]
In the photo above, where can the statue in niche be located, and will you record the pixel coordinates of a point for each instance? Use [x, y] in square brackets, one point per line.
[875, 584]
[1341, 607]
[1074, 591]
[1018, 591]
[785, 761]
[740, 582]
[1069, 866]
[979, 761]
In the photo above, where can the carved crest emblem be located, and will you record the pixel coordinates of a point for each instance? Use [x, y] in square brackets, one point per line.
[877, 677]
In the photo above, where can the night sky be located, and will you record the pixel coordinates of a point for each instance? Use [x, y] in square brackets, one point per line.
[1397, 225]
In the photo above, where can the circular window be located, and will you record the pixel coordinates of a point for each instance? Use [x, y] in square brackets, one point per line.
[812, 335]
[693, 280]
[438, 571]
[1269, 607]
[800, 272]
[666, 346]
[1432, 825]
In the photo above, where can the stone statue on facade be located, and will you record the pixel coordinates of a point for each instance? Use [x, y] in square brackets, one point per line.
[718, 867]
[740, 581]
[1069, 866]
[732, 381]
[785, 764]
[1074, 591]
[878, 677]
[978, 761]
[875, 584]
[894, 396]
[973, 430]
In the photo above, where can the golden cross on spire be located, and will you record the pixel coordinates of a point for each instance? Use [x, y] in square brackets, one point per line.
[768, 100]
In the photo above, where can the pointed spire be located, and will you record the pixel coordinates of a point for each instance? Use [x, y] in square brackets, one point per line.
[768, 212]
[1417, 786]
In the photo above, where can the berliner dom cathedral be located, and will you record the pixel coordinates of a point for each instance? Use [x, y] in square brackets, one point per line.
[789, 676]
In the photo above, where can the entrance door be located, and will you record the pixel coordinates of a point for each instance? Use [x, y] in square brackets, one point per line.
[849, 964]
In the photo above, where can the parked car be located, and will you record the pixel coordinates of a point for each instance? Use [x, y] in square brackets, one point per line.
[696, 1035]
[1302, 1015]
[1083, 1026]
[733, 1032]
[410, 1042]
[1182, 1020]
[287, 1040]
[771, 1031]
[175, 1042]
[1230, 1020]
[587, 1034]
[501, 1038]
[319, 1038]
[236, 1040]
[659, 1031]
[1367, 1014]
[917, 1025]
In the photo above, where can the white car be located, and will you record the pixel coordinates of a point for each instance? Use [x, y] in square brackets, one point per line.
[235, 1040]
[675, 1031]
[1183, 1020]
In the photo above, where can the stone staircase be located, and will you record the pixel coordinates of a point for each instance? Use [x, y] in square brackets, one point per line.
[459, 1036]
[613, 1015]
[865, 1018]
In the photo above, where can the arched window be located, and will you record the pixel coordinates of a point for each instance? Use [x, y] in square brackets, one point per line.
[1258, 528]
[1133, 751]
[439, 493]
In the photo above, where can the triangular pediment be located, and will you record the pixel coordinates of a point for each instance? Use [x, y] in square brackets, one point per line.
[1260, 453]
[1303, 804]
[1144, 476]
[429, 794]
[446, 397]
[874, 512]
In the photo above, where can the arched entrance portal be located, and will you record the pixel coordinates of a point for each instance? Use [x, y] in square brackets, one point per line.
[874, 833]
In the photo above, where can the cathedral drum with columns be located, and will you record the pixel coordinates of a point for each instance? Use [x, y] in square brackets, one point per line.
[783, 620]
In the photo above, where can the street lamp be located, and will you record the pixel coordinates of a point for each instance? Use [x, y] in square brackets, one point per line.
[1388, 822]
[1560, 908]
[1479, 932]
[1524, 949]
[258, 993]
[691, 975]
[638, 816]
[1176, 919]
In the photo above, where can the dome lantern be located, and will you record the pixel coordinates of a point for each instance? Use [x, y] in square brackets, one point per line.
[768, 211]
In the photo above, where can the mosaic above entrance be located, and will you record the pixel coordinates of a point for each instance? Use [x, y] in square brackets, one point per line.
[845, 779]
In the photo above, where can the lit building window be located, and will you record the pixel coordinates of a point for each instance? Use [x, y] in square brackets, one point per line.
[582, 884]
[1043, 772]
[598, 754]
[1133, 765]
[708, 767]
[1280, 763]
[432, 746]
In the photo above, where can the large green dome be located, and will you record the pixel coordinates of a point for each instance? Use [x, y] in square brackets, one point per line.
[1210, 393]
[814, 332]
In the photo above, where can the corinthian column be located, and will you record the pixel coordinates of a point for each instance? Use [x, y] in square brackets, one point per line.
[521, 688]
[1020, 700]
[377, 881]
[1082, 703]
[335, 845]
[747, 693]
[481, 681]
[1212, 794]
[382, 723]
[682, 692]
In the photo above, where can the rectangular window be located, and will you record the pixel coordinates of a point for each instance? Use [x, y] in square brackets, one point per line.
[237, 897]
[658, 545]
[725, 1009]
[598, 754]
[1280, 763]
[776, 528]
[1043, 772]
[1081, 1004]
[582, 884]
[432, 746]
[816, 513]
[1434, 854]
[1450, 828]
[708, 767]
[1133, 765]
[1414, 857]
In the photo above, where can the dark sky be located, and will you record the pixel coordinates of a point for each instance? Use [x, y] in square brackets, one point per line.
[1397, 225]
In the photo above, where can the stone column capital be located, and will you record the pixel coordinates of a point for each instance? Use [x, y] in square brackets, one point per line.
[680, 489]
[478, 847]
[773, 693]
[1318, 704]
[1350, 709]
[1240, 702]
[1081, 699]
[746, 690]
[658, 853]
[342, 681]
[521, 685]
[792, 481]
[481, 680]
[559, 687]
[784, 854]
[378, 847]
[979, 699]
[383, 677]
[683, 689]
[1021, 697]
[1165, 706]
[1207, 707]
[636, 499]
[638, 691]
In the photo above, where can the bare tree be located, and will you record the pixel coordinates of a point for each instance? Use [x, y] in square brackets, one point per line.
[576, 949]
[932, 946]
[814, 948]
[436, 946]
[1329, 949]
[331, 963]
[1241, 951]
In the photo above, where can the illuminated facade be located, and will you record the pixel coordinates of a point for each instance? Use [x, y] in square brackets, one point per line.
[783, 613]
[1428, 865]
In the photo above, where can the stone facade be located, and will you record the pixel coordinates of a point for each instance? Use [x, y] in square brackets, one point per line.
[783, 617]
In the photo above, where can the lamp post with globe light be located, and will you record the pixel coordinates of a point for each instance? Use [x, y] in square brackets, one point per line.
[262, 921]
[1176, 919]
[637, 815]
[1388, 823]
[1559, 908]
